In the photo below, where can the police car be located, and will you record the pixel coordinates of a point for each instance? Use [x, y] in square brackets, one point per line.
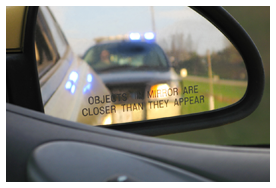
[139, 75]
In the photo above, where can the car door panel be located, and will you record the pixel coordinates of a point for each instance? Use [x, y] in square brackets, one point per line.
[56, 161]
[27, 130]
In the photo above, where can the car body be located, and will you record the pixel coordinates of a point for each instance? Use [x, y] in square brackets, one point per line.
[40, 147]
[66, 81]
[141, 72]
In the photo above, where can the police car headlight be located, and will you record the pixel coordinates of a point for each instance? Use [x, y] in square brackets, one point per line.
[159, 91]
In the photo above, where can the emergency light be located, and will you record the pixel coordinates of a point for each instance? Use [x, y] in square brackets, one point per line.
[73, 76]
[149, 36]
[70, 84]
[134, 36]
[89, 78]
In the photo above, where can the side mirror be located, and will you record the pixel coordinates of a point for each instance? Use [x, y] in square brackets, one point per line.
[217, 75]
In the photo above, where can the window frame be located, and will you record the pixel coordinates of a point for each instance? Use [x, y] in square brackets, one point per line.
[58, 36]
[45, 33]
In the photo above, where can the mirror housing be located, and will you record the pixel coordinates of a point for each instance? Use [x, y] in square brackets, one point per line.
[221, 19]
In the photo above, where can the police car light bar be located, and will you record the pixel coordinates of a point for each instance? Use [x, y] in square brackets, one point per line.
[134, 36]
[149, 36]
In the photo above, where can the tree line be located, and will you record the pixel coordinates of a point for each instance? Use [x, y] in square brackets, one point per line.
[182, 52]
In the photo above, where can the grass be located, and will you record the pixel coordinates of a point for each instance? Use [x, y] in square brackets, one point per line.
[224, 95]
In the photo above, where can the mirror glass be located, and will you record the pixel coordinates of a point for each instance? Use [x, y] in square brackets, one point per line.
[155, 62]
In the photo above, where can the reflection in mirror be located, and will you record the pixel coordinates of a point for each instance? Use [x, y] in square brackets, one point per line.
[155, 61]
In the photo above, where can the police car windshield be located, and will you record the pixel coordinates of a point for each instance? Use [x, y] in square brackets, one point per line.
[126, 56]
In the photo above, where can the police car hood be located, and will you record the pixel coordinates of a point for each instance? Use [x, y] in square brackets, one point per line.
[135, 77]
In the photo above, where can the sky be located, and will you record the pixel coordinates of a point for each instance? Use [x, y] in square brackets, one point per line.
[82, 25]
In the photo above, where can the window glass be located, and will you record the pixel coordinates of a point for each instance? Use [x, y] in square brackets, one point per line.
[46, 54]
[59, 40]
[184, 66]
[121, 55]
[159, 62]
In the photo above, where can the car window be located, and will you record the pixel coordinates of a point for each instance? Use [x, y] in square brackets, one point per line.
[57, 35]
[46, 53]
[132, 56]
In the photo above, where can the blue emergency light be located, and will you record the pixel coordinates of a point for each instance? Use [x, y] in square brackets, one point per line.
[89, 78]
[86, 88]
[73, 76]
[73, 89]
[149, 36]
[134, 36]
[70, 84]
